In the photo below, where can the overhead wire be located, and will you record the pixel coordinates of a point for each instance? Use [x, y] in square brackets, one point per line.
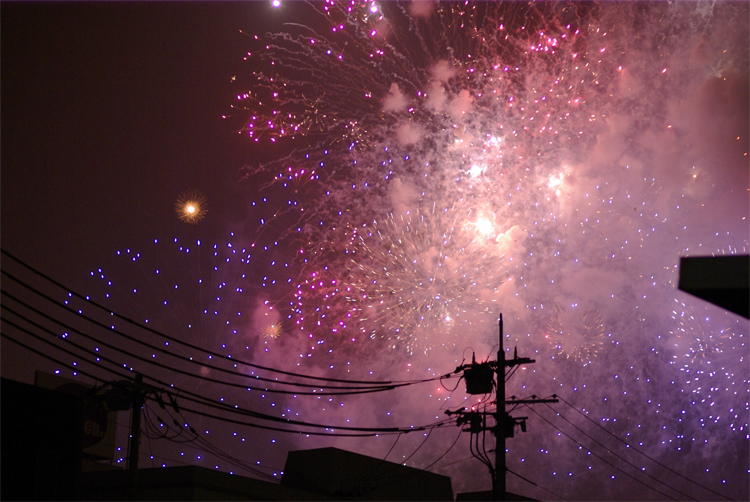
[195, 347]
[484, 439]
[208, 447]
[228, 408]
[444, 454]
[628, 445]
[446, 388]
[616, 455]
[535, 484]
[307, 433]
[420, 444]
[387, 385]
[357, 390]
[149, 429]
[384, 477]
[224, 419]
[510, 373]
[154, 431]
[110, 329]
[391, 449]
[214, 450]
[600, 457]
[74, 369]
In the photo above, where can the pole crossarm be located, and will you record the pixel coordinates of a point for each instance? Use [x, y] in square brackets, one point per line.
[514, 362]
[532, 400]
[482, 379]
[494, 364]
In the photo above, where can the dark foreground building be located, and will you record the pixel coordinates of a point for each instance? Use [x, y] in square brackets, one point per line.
[43, 440]
[343, 475]
[186, 483]
[322, 474]
[487, 495]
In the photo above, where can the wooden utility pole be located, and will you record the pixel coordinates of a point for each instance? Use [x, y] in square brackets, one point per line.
[135, 437]
[498, 481]
[504, 423]
[478, 378]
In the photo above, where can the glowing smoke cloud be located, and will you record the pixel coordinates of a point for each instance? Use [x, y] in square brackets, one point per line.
[594, 143]
[446, 162]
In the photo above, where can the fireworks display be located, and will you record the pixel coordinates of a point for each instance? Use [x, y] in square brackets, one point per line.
[415, 276]
[272, 331]
[710, 348]
[526, 118]
[191, 207]
[180, 287]
[444, 162]
[576, 335]
[423, 167]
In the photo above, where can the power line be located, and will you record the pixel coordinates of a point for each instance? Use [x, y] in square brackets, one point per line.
[455, 462]
[618, 456]
[195, 347]
[384, 475]
[202, 400]
[359, 390]
[312, 433]
[418, 447]
[74, 369]
[481, 379]
[240, 411]
[444, 454]
[600, 457]
[110, 329]
[216, 451]
[222, 456]
[628, 445]
[233, 409]
[535, 484]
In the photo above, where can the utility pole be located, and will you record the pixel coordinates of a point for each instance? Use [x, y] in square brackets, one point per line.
[121, 396]
[135, 437]
[479, 378]
[498, 481]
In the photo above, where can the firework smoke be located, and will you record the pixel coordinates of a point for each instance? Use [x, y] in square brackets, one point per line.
[551, 161]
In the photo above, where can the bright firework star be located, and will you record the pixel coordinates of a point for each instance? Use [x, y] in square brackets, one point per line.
[191, 207]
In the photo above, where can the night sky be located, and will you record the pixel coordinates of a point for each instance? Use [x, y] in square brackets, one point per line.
[380, 184]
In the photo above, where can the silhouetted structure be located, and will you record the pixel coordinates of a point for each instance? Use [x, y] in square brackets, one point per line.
[42, 434]
[188, 482]
[343, 475]
[322, 474]
[721, 280]
[488, 495]
[42, 444]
